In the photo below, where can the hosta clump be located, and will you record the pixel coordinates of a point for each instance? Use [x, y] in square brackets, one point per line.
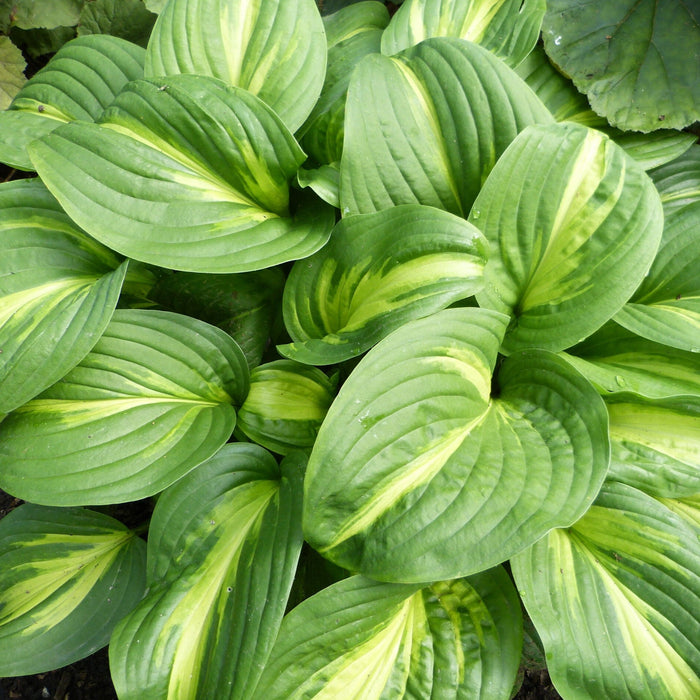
[364, 292]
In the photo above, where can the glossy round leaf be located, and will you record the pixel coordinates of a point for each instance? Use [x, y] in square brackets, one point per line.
[419, 474]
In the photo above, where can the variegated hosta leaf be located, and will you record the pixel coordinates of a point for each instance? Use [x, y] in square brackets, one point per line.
[377, 272]
[656, 444]
[419, 474]
[58, 289]
[78, 83]
[574, 224]
[67, 576]
[666, 306]
[426, 126]
[285, 406]
[508, 28]
[185, 173]
[360, 639]
[276, 49]
[352, 33]
[615, 599]
[148, 403]
[687, 507]
[223, 547]
[616, 361]
[557, 92]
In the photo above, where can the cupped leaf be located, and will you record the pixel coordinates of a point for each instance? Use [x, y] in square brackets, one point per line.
[77, 84]
[656, 444]
[67, 577]
[324, 181]
[275, 49]
[666, 306]
[508, 28]
[352, 33]
[418, 473]
[377, 272]
[574, 224]
[285, 406]
[58, 290]
[616, 361]
[426, 126]
[631, 57]
[615, 600]
[150, 401]
[362, 639]
[223, 548]
[557, 92]
[243, 305]
[185, 173]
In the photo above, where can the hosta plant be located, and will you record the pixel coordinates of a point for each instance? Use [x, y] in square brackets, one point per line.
[387, 334]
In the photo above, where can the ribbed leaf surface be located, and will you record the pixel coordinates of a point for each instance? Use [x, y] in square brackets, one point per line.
[150, 401]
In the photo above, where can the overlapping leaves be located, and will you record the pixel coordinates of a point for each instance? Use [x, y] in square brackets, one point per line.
[419, 473]
[187, 173]
[152, 399]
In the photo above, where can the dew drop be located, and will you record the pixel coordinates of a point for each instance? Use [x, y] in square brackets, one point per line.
[557, 41]
[620, 380]
[476, 213]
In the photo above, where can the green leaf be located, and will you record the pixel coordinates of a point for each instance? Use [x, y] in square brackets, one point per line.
[77, 84]
[12, 65]
[633, 58]
[149, 402]
[58, 289]
[186, 173]
[616, 360]
[223, 547]
[363, 639]
[275, 49]
[243, 305]
[656, 444]
[285, 406]
[377, 272]
[28, 14]
[128, 19]
[419, 474]
[655, 149]
[155, 6]
[574, 224]
[666, 306]
[508, 28]
[427, 126]
[324, 181]
[615, 600]
[352, 33]
[39, 42]
[557, 92]
[67, 576]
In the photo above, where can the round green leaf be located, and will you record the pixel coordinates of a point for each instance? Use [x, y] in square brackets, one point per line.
[67, 577]
[275, 49]
[58, 289]
[186, 173]
[426, 126]
[418, 473]
[508, 28]
[615, 600]
[574, 224]
[635, 59]
[377, 272]
[150, 401]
